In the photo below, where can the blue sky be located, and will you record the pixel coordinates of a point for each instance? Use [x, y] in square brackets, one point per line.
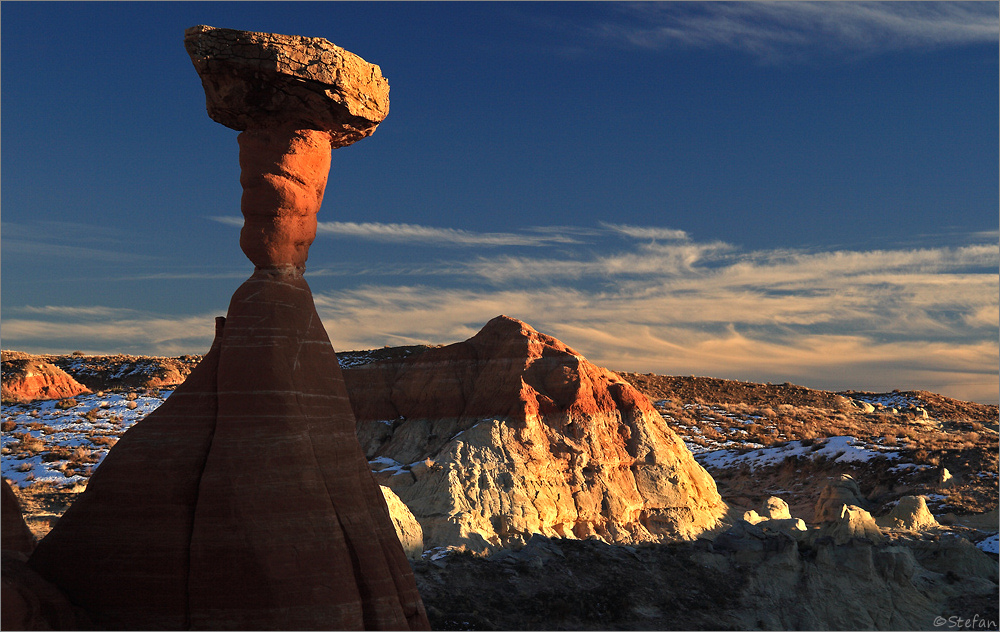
[801, 192]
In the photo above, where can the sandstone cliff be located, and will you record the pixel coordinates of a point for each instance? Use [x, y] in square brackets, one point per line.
[512, 433]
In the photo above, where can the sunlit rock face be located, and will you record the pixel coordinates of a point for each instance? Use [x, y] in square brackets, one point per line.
[512, 433]
[26, 380]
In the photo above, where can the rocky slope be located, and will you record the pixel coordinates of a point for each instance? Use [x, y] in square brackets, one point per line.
[93, 373]
[512, 433]
[759, 582]
[28, 379]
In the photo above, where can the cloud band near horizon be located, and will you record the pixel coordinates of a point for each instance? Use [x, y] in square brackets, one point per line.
[661, 302]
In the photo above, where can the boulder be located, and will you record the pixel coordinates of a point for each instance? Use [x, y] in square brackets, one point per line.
[853, 523]
[773, 508]
[26, 380]
[836, 495]
[512, 433]
[909, 513]
[288, 80]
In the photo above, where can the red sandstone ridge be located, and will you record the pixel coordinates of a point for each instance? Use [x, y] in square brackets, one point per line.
[26, 380]
[245, 502]
[512, 432]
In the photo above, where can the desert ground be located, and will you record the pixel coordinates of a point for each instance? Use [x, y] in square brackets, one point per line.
[758, 442]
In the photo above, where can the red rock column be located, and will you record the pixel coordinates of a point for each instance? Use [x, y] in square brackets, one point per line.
[284, 173]
[245, 501]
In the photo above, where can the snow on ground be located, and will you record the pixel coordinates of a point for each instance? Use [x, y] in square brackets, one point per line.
[842, 449]
[713, 415]
[889, 400]
[88, 429]
[991, 544]
[82, 365]
[348, 359]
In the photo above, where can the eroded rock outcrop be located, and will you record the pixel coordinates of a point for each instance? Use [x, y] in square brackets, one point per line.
[774, 515]
[26, 380]
[245, 501]
[512, 433]
[852, 523]
[408, 530]
[836, 495]
[910, 513]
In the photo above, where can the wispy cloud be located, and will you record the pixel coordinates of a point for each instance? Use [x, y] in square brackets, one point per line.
[714, 333]
[781, 30]
[909, 318]
[66, 240]
[647, 232]
[97, 329]
[875, 319]
[418, 234]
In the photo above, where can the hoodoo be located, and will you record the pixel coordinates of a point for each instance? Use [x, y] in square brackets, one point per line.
[512, 433]
[245, 501]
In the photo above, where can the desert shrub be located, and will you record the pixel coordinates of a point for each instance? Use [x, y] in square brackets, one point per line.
[131, 405]
[77, 353]
[131, 396]
[69, 402]
[889, 439]
[55, 454]
[25, 467]
[93, 414]
[104, 440]
[710, 432]
[8, 426]
[27, 443]
[80, 456]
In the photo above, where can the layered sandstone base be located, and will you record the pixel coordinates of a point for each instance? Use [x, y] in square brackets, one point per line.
[244, 502]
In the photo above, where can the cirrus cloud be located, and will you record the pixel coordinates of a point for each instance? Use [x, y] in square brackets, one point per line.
[777, 31]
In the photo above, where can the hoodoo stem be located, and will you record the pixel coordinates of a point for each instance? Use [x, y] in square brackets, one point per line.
[284, 174]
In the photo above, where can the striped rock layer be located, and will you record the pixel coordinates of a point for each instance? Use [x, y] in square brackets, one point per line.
[245, 501]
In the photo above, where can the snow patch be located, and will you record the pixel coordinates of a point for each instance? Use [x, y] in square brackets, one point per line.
[991, 544]
[844, 449]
